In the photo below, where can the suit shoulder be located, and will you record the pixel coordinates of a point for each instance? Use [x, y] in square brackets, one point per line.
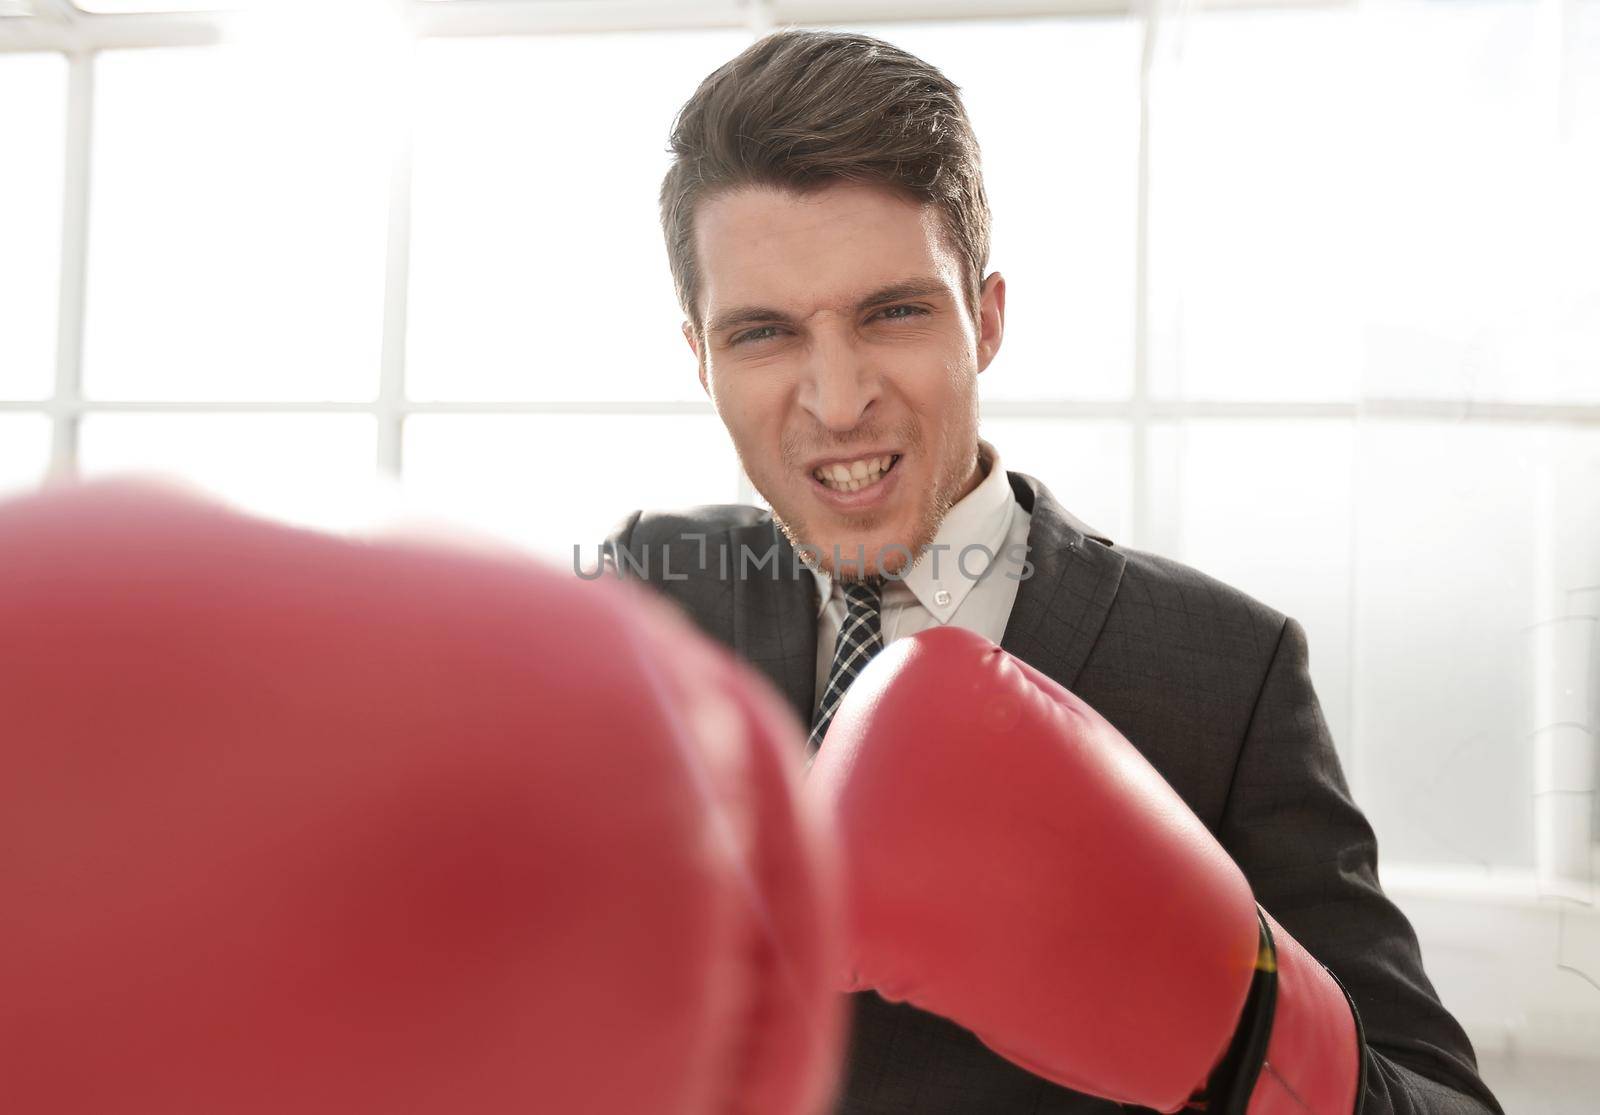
[665, 527]
[1179, 667]
[694, 551]
[1173, 593]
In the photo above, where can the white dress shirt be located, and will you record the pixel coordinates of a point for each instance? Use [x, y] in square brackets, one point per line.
[954, 582]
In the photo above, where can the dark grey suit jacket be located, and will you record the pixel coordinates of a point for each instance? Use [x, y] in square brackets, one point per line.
[1212, 686]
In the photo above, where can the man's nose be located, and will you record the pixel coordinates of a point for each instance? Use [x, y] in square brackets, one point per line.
[840, 382]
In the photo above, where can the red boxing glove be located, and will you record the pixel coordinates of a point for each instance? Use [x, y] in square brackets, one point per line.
[293, 823]
[1015, 865]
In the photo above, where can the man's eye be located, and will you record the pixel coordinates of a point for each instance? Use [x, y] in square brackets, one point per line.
[760, 334]
[910, 311]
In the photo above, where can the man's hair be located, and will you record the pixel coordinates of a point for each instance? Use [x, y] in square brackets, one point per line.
[803, 110]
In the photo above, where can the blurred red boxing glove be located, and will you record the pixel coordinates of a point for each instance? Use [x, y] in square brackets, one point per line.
[1016, 866]
[293, 823]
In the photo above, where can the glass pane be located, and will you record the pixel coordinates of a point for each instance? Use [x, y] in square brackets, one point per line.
[24, 451]
[1266, 507]
[1253, 272]
[33, 89]
[550, 482]
[537, 264]
[1472, 541]
[239, 222]
[1482, 283]
[1085, 464]
[1427, 232]
[315, 469]
[1055, 106]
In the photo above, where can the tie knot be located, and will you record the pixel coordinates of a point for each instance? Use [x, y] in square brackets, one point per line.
[860, 599]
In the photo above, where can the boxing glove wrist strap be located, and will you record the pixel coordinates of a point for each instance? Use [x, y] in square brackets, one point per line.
[1295, 1043]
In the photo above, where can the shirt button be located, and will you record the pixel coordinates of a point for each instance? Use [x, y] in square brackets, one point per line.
[942, 598]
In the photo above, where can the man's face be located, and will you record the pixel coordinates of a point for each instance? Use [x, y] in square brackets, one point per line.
[838, 342]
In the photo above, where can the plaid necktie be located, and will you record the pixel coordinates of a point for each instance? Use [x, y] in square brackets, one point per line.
[860, 637]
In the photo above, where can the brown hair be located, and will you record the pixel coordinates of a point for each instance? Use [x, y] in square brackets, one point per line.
[804, 109]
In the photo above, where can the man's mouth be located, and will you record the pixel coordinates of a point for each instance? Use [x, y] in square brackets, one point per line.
[853, 476]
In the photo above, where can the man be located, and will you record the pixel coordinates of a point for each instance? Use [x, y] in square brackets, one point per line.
[828, 231]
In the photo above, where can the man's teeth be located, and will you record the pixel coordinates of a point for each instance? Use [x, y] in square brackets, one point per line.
[854, 475]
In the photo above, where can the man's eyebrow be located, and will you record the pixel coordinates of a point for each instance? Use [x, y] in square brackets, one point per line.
[906, 288]
[746, 315]
[894, 292]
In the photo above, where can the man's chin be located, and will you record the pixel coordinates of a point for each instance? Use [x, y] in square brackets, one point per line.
[851, 556]
[879, 543]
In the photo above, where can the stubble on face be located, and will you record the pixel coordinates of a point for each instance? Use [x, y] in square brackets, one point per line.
[895, 557]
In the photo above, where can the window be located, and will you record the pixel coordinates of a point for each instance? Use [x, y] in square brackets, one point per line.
[555, 481]
[1303, 296]
[238, 223]
[310, 468]
[24, 451]
[33, 135]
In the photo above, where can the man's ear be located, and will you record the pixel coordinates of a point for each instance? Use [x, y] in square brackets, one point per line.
[991, 317]
[694, 347]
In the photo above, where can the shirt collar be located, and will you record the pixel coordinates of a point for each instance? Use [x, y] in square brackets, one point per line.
[982, 517]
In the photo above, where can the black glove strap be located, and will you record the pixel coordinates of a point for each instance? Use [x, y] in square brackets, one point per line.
[1234, 1079]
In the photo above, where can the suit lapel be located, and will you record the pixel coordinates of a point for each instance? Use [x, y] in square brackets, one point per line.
[774, 617]
[1054, 623]
[1061, 608]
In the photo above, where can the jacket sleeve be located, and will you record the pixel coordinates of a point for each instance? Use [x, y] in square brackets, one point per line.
[1311, 858]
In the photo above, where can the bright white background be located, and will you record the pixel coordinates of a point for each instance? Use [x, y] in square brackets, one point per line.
[1306, 296]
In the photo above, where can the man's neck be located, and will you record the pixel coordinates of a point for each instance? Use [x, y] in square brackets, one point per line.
[980, 470]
